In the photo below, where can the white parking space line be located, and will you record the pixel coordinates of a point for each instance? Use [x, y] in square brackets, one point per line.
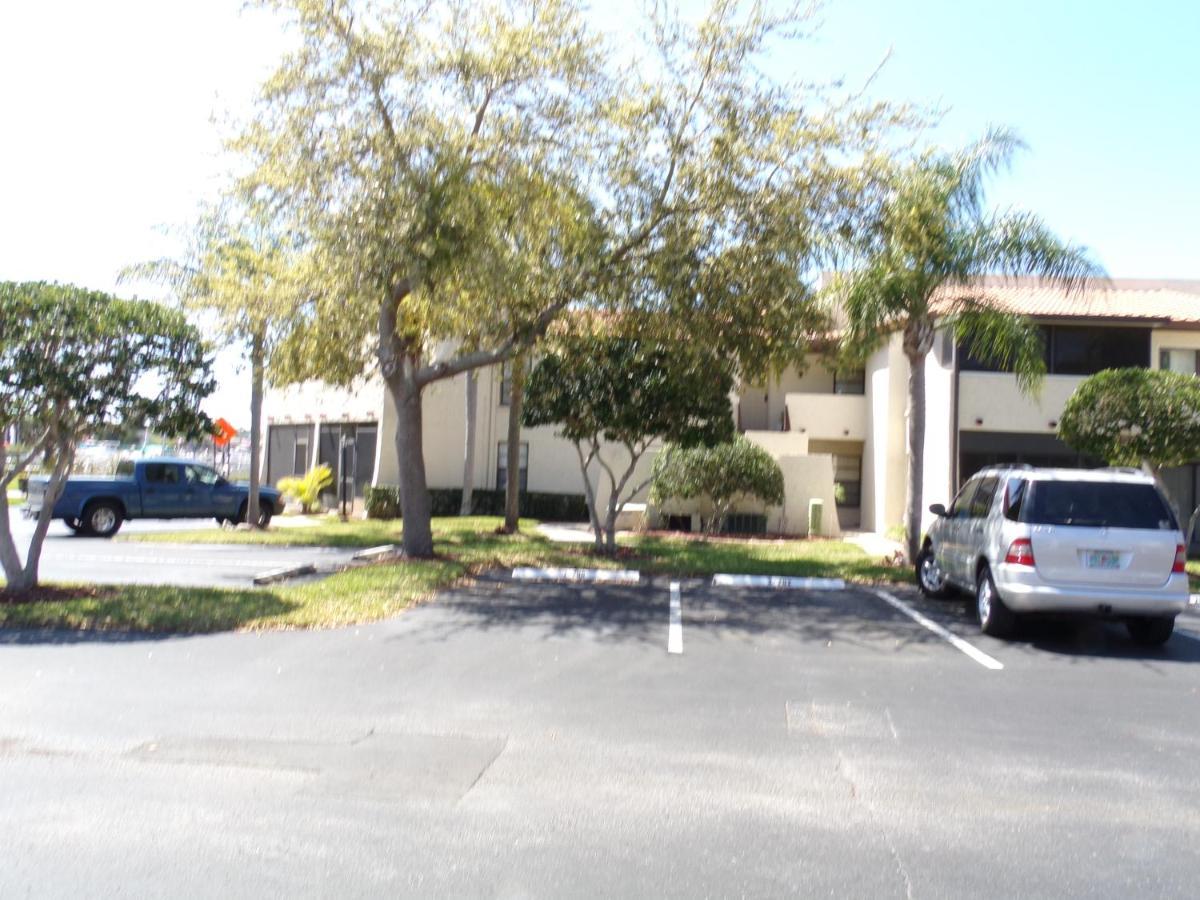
[954, 640]
[597, 576]
[779, 581]
[675, 628]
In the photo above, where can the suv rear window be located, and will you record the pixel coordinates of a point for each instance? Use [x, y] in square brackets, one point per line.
[1097, 504]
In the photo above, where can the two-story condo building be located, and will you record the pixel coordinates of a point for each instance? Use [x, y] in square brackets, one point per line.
[824, 427]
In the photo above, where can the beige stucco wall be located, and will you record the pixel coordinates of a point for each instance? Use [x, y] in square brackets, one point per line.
[805, 477]
[884, 455]
[994, 398]
[939, 434]
[552, 462]
[830, 417]
[1172, 339]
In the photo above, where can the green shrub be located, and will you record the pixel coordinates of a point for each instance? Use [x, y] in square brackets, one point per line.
[1131, 417]
[307, 490]
[719, 475]
[383, 502]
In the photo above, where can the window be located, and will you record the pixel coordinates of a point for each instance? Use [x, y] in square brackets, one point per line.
[1186, 362]
[125, 468]
[162, 473]
[1080, 350]
[1014, 497]
[502, 466]
[1097, 504]
[506, 380]
[300, 457]
[852, 382]
[958, 508]
[200, 475]
[982, 501]
[744, 523]
[847, 472]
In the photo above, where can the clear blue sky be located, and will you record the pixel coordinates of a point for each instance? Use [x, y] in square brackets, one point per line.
[106, 112]
[1106, 94]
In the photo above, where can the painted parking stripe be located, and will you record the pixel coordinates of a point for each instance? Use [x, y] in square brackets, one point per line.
[675, 627]
[949, 637]
[779, 581]
[596, 576]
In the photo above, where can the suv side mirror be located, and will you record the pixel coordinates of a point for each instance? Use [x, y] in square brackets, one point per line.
[938, 510]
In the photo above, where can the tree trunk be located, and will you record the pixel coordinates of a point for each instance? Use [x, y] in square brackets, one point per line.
[415, 508]
[399, 364]
[918, 340]
[512, 487]
[468, 485]
[23, 578]
[257, 363]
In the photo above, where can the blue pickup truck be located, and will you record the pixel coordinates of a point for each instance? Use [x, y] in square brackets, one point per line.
[160, 488]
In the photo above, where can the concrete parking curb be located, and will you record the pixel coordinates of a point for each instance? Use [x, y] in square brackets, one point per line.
[779, 581]
[282, 574]
[593, 576]
[373, 553]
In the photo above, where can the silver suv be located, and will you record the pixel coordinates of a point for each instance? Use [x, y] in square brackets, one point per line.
[1099, 542]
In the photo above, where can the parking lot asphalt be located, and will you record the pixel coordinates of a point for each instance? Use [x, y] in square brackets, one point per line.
[540, 740]
[70, 558]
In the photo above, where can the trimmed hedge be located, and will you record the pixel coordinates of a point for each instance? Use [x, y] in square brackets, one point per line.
[383, 502]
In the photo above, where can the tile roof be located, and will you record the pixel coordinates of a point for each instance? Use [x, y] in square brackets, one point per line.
[1167, 301]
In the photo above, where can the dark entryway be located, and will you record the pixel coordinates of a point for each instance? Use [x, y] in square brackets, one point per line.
[289, 451]
[977, 449]
[359, 466]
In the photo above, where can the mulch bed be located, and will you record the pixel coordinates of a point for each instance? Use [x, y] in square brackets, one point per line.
[52, 595]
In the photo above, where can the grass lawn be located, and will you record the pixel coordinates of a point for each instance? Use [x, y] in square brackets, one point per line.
[464, 546]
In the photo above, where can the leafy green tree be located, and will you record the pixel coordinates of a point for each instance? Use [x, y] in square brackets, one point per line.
[719, 476]
[240, 270]
[919, 268]
[462, 173]
[613, 397]
[1135, 417]
[73, 361]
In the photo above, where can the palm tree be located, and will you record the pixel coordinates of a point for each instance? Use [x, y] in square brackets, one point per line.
[920, 267]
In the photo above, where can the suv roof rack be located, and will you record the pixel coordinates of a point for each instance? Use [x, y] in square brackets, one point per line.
[1124, 470]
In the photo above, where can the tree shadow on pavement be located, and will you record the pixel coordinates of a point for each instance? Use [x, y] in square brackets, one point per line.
[627, 613]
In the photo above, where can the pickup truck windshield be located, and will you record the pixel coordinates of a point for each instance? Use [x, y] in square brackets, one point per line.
[1097, 504]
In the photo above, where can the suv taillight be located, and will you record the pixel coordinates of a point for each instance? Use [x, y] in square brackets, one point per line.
[1020, 552]
[1180, 559]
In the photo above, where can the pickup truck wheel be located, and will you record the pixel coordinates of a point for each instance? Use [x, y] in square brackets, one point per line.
[264, 514]
[102, 518]
[74, 524]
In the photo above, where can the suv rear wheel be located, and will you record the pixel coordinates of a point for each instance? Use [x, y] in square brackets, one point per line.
[995, 618]
[1151, 631]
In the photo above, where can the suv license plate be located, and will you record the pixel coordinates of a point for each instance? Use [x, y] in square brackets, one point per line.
[1101, 559]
